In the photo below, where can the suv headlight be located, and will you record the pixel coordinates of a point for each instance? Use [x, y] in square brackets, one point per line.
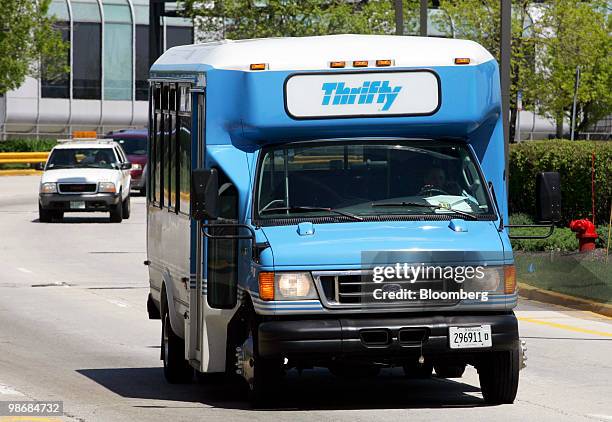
[286, 286]
[107, 187]
[48, 188]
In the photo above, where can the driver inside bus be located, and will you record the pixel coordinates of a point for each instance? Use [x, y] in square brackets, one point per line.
[435, 183]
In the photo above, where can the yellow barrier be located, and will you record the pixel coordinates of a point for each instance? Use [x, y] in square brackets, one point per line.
[21, 158]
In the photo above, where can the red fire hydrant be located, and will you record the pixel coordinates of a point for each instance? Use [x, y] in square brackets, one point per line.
[585, 233]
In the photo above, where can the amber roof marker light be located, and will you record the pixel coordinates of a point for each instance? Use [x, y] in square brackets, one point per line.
[462, 60]
[337, 64]
[258, 66]
[384, 63]
[360, 63]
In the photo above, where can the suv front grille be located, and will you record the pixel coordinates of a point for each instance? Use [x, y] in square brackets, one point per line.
[354, 289]
[77, 187]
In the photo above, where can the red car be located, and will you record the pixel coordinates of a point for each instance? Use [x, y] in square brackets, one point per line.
[134, 143]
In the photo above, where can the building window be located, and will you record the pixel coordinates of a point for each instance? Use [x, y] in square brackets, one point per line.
[54, 85]
[178, 35]
[86, 52]
[117, 51]
[142, 62]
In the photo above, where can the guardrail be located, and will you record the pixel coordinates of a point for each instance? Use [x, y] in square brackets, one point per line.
[21, 158]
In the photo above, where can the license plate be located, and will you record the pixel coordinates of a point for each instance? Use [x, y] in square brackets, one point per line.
[77, 205]
[469, 337]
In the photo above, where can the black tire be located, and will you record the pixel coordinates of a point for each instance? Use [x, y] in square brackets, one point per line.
[116, 213]
[449, 370]
[176, 369]
[264, 374]
[126, 208]
[418, 371]
[44, 216]
[499, 377]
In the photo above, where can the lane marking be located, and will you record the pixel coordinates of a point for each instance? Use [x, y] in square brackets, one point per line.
[118, 303]
[5, 389]
[24, 270]
[565, 327]
[594, 415]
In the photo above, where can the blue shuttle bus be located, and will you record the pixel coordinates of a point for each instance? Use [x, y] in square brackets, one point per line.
[334, 201]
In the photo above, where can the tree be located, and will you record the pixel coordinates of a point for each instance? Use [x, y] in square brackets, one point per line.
[240, 19]
[479, 20]
[572, 33]
[27, 36]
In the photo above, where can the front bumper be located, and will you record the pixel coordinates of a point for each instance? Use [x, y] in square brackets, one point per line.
[93, 201]
[324, 339]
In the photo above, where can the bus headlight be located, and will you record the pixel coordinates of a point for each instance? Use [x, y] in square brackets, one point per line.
[485, 279]
[48, 188]
[286, 286]
[107, 187]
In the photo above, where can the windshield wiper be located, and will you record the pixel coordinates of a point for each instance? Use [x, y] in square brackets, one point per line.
[298, 208]
[465, 214]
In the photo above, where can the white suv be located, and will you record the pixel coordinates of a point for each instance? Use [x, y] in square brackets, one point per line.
[85, 176]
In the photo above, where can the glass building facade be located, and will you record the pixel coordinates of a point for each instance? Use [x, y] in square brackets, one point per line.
[109, 49]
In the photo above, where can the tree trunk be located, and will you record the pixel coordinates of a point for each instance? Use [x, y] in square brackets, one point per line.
[559, 129]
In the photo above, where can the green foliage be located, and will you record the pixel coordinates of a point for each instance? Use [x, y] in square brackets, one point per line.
[548, 41]
[573, 161]
[242, 19]
[573, 33]
[27, 145]
[27, 36]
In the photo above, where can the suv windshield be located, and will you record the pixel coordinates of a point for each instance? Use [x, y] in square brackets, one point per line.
[81, 158]
[371, 178]
[133, 146]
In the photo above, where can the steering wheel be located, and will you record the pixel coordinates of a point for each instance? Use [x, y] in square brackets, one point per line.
[429, 189]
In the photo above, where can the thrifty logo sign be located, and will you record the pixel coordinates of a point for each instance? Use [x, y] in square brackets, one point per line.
[336, 93]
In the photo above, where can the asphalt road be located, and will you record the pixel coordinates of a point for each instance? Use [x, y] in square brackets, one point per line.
[73, 327]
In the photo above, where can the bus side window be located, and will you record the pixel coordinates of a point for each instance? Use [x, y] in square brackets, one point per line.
[223, 253]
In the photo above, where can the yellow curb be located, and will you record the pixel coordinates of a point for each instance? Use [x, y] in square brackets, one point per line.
[566, 327]
[547, 296]
[19, 172]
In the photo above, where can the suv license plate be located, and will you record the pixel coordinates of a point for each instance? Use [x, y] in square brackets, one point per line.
[77, 205]
[469, 337]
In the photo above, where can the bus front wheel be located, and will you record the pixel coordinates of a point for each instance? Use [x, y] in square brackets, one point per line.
[499, 377]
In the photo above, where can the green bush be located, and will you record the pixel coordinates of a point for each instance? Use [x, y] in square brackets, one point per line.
[27, 145]
[573, 161]
[562, 239]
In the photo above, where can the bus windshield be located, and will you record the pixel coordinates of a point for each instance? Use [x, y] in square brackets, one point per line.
[371, 178]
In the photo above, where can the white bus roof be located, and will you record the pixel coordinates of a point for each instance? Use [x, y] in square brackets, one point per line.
[315, 53]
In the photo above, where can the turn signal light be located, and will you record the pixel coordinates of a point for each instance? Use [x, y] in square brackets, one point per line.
[335, 65]
[258, 66]
[360, 63]
[509, 279]
[266, 286]
[462, 60]
[383, 63]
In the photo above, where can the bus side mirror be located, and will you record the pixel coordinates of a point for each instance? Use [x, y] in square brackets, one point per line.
[548, 196]
[204, 194]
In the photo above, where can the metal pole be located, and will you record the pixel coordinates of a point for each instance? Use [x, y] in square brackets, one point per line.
[423, 18]
[156, 10]
[504, 69]
[576, 85]
[399, 17]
